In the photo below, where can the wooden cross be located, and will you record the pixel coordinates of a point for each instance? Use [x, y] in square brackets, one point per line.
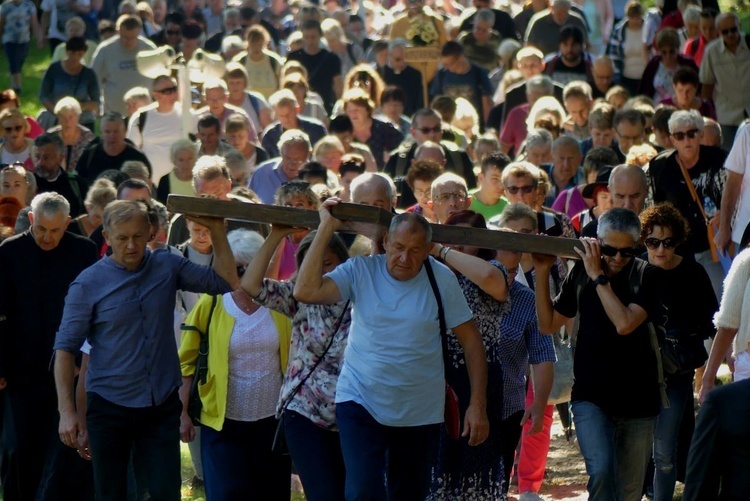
[361, 216]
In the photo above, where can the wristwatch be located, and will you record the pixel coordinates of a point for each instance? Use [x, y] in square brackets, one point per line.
[601, 280]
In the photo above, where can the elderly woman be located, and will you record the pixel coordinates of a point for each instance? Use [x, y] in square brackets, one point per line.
[17, 147]
[656, 81]
[703, 165]
[240, 95]
[74, 135]
[101, 193]
[685, 83]
[459, 467]
[70, 77]
[247, 358]
[349, 53]
[381, 137]
[690, 303]
[319, 337]
[180, 179]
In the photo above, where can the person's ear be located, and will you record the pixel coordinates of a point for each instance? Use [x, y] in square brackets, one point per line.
[105, 235]
[31, 218]
[67, 222]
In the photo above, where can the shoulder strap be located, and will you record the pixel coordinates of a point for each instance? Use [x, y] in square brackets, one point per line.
[580, 282]
[202, 368]
[73, 182]
[441, 312]
[693, 193]
[254, 102]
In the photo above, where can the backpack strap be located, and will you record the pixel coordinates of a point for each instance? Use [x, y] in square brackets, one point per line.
[254, 102]
[142, 123]
[201, 369]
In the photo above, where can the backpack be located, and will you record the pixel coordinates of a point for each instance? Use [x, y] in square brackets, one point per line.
[656, 330]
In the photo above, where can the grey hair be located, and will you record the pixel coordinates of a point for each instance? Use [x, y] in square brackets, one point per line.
[50, 204]
[685, 118]
[181, 145]
[49, 138]
[231, 12]
[515, 212]
[293, 136]
[540, 83]
[245, 245]
[692, 14]
[374, 179]
[538, 137]
[135, 169]
[210, 167]
[449, 177]
[485, 16]
[728, 15]
[68, 104]
[508, 50]
[232, 42]
[619, 220]
[414, 221]
[426, 146]
[396, 43]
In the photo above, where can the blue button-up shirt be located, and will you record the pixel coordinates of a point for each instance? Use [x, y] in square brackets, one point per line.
[267, 178]
[127, 318]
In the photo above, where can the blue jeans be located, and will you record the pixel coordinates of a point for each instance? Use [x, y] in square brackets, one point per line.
[317, 457]
[616, 452]
[402, 456]
[238, 461]
[666, 433]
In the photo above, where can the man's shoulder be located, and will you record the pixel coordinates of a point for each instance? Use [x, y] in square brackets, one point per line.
[10, 246]
[311, 122]
[78, 243]
[540, 18]
[236, 109]
[266, 167]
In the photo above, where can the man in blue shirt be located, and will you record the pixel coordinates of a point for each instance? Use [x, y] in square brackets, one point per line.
[123, 306]
[295, 149]
[390, 395]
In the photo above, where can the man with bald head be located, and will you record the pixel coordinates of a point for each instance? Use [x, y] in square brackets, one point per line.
[426, 125]
[602, 75]
[449, 195]
[430, 150]
[628, 187]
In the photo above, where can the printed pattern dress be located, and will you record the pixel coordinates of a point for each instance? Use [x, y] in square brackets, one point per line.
[474, 472]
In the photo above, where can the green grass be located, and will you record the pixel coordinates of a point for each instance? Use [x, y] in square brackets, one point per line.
[33, 72]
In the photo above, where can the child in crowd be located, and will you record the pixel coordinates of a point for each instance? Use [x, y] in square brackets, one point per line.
[419, 178]
[488, 199]
[352, 165]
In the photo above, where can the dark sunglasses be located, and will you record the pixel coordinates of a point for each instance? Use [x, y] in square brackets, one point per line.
[513, 190]
[427, 130]
[691, 134]
[625, 253]
[731, 30]
[173, 33]
[654, 243]
[167, 91]
[17, 128]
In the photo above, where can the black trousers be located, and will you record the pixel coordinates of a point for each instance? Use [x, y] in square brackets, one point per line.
[152, 432]
[510, 434]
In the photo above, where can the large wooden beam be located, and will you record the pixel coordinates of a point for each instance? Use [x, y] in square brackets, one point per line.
[369, 215]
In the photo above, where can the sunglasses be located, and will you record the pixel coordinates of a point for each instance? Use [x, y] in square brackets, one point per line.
[11, 166]
[730, 31]
[526, 189]
[168, 91]
[654, 243]
[17, 128]
[427, 130]
[625, 253]
[691, 134]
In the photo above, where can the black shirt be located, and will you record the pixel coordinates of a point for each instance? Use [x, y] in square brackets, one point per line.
[322, 68]
[94, 161]
[70, 186]
[503, 24]
[615, 372]
[410, 80]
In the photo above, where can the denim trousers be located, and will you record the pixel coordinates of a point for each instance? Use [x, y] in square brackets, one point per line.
[616, 452]
[666, 434]
[316, 453]
[238, 462]
[151, 433]
[376, 455]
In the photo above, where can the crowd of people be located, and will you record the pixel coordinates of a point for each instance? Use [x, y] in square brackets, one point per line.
[382, 365]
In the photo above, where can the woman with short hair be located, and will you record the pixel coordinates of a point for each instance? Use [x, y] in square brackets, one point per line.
[380, 136]
[75, 136]
[656, 82]
[180, 179]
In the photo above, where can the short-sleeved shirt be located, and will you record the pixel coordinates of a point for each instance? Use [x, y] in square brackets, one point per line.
[487, 211]
[730, 73]
[615, 372]
[472, 86]
[17, 16]
[393, 364]
[55, 30]
[322, 68]
[266, 179]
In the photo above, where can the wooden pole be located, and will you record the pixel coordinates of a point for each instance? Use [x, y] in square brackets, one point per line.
[360, 216]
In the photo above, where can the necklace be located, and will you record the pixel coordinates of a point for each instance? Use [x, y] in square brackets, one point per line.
[240, 299]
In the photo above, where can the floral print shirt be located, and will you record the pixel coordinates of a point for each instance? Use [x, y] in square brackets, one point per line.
[312, 329]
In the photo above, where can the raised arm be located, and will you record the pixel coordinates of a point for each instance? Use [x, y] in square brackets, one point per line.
[549, 319]
[487, 277]
[252, 280]
[476, 424]
[311, 286]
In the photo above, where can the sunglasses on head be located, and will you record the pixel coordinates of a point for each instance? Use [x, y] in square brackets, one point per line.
[654, 243]
[609, 251]
[168, 90]
[17, 128]
[729, 31]
[513, 190]
[14, 165]
[691, 134]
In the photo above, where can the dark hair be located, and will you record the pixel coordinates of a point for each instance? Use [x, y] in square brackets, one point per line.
[191, 30]
[351, 162]
[336, 245]
[495, 160]
[313, 169]
[709, 13]
[105, 26]
[661, 118]
[451, 48]
[133, 184]
[571, 33]
[340, 123]
[685, 75]
[379, 45]
[423, 170]
[666, 216]
[597, 158]
[209, 120]
[174, 18]
[48, 138]
[393, 93]
[354, 18]
[475, 220]
[75, 44]
[311, 24]
[247, 13]
[630, 115]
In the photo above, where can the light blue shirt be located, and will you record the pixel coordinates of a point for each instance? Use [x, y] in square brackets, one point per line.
[393, 363]
[266, 179]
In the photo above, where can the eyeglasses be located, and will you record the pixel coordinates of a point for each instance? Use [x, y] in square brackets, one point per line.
[17, 128]
[168, 91]
[427, 130]
[730, 31]
[691, 134]
[173, 33]
[525, 189]
[625, 253]
[445, 197]
[654, 243]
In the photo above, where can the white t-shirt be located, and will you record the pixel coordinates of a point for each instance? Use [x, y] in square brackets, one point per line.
[633, 62]
[737, 161]
[51, 7]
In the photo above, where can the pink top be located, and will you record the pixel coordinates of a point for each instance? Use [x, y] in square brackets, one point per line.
[514, 129]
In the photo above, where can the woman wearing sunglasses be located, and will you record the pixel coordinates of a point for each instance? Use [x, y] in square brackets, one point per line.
[690, 302]
[16, 147]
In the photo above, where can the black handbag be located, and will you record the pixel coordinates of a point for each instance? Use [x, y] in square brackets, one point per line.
[279, 445]
[682, 352]
[195, 406]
